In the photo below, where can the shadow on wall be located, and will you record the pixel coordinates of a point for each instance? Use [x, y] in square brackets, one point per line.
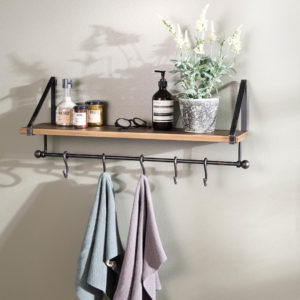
[127, 91]
[46, 234]
[103, 36]
[86, 169]
[127, 96]
[39, 256]
[40, 248]
[22, 101]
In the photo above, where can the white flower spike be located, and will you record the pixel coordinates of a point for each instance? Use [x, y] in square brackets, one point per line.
[235, 40]
[187, 43]
[179, 37]
[203, 36]
[170, 27]
[202, 22]
[212, 36]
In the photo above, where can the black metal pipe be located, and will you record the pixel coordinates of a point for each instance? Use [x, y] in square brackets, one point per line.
[45, 143]
[238, 164]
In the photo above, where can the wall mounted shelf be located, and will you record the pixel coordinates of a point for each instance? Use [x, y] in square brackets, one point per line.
[231, 136]
[218, 136]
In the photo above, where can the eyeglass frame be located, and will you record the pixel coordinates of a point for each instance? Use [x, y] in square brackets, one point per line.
[130, 122]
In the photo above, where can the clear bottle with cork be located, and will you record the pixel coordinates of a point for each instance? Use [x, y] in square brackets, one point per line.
[162, 106]
[64, 110]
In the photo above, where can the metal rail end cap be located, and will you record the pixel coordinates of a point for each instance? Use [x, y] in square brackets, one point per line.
[245, 164]
[39, 154]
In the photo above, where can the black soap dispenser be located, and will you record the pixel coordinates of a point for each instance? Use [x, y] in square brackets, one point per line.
[162, 106]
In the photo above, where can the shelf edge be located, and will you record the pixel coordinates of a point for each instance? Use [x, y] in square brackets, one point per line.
[136, 135]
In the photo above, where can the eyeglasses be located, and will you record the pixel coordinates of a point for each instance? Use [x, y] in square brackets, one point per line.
[127, 123]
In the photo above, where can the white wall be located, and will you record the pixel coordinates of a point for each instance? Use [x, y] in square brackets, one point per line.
[237, 239]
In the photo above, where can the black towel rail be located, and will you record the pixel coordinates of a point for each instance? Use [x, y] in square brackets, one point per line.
[239, 163]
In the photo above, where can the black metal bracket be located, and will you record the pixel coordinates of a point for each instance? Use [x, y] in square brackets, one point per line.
[51, 85]
[240, 108]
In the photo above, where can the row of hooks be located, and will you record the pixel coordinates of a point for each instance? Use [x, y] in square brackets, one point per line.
[66, 171]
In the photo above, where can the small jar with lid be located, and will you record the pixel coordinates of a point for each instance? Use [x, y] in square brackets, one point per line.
[95, 112]
[80, 117]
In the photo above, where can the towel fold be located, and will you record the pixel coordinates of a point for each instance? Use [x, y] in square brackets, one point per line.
[101, 252]
[144, 252]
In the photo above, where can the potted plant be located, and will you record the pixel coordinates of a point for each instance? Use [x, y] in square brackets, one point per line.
[201, 66]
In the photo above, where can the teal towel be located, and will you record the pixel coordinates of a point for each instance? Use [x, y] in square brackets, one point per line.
[101, 252]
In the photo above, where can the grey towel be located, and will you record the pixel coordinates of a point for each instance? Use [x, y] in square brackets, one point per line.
[101, 252]
[144, 252]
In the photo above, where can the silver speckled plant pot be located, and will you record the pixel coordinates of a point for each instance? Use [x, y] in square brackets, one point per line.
[199, 115]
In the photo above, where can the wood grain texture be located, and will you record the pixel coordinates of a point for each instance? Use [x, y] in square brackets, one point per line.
[218, 136]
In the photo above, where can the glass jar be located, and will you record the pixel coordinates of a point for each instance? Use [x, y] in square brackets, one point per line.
[95, 112]
[80, 117]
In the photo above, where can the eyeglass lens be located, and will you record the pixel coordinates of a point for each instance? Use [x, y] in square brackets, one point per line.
[123, 123]
[139, 122]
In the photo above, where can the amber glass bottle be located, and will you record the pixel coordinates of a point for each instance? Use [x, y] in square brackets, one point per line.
[162, 106]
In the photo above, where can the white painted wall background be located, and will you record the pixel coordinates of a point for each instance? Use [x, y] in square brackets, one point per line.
[237, 239]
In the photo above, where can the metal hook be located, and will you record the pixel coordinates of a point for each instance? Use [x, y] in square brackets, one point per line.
[103, 162]
[65, 158]
[175, 169]
[142, 164]
[205, 171]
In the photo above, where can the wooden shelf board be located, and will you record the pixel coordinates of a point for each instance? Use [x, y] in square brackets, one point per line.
[218, 136]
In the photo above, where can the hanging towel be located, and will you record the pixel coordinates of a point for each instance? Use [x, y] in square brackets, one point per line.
[144, 252]
[101, 252]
